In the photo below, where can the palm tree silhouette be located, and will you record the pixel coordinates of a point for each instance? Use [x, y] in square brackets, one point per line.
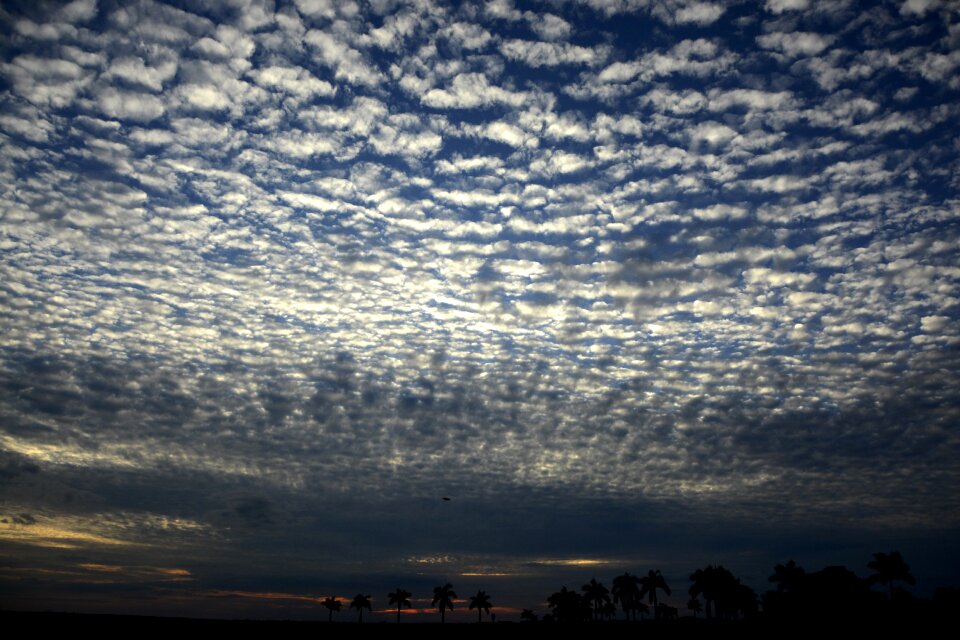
[626, 592]
[694, 605]
[706, 583]
[649, 585]
[889, 567]
[443, 599]
[723, 590]
[788, 576]
[597, 594]
[401, 598]
[608, 611]
[480, 602]
[527, 615]
[361, 602]
[333, 605]
[569, 606]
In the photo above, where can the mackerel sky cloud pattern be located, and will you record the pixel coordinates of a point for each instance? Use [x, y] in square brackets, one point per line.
[274, 276]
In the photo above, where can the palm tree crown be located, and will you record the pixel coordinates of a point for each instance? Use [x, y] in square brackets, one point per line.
[707, 582]
[649, 585]
[332, 604]
[889, 567]
[724, 593]
[626, 592]
[361, 602]
[443, 599]
[401, 598]
[480, 602]
[597, 594]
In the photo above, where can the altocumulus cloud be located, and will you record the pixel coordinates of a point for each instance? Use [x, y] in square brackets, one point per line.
[277, 275]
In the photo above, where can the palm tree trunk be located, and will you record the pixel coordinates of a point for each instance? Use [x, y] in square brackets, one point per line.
[398, 614]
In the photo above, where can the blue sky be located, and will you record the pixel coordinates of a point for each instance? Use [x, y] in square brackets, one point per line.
[637, 283]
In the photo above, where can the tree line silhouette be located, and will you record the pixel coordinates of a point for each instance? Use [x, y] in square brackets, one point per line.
[833, 592]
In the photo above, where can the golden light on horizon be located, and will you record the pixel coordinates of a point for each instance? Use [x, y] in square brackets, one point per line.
[58, 536]
[106, 568]
[267, 595]
[576, 562]
[145, 572]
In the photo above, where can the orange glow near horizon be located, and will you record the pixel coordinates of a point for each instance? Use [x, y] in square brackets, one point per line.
[411, 611]
[268, 595]
[105, 568]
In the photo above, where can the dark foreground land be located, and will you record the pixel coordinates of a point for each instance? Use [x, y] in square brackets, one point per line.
[107, 626]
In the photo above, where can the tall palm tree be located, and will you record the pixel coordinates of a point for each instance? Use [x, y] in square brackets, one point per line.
[597, 594]
[626, 592]
[401, 598]
[361, 602]
[889, 567]
[649, 585]
[332, 604]
[443, 599]
[705, 583]
[480, 602]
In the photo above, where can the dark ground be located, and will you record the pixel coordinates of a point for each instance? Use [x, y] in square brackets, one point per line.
[131, 626]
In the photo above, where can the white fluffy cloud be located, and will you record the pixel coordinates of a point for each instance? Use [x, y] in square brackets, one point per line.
[781, 6]
[53, 82]
[796, 44]
[135, 71]
[348, 63]
[293, 80]
[472, 90]
[551, 54]
[128, 105]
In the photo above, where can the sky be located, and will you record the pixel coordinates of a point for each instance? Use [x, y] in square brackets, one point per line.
[637, 284]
